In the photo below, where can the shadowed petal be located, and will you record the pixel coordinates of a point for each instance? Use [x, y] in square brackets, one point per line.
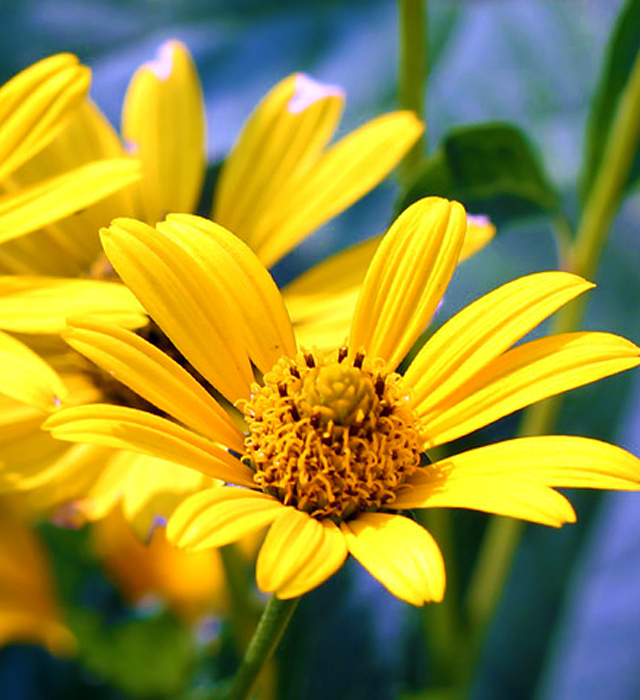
[43, 304]
[27, 377]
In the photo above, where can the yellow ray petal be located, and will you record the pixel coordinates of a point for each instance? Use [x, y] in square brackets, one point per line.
[485, 329]
[524, 375]
[288, 547]
[511, 496]
[346, 172]
[27, 377]
[164, 125]
[153, 375]
[137, 431]
[77, 474]
[326, 559]
[251, 293]
[43, 304]
[399, 553]
[34, 106]
[480, 231]
[548, 460]
[184, 301]
[154, 488]
[280, 142]
[322, 300]
[407, 278]
[219, 516]
[69, 247]
[63, 195]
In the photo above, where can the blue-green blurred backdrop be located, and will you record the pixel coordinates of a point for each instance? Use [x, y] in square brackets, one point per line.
[569, 623]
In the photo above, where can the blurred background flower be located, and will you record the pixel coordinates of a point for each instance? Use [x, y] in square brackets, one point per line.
[567, 625]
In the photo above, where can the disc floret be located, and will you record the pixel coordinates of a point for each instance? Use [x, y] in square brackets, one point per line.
[331, 436]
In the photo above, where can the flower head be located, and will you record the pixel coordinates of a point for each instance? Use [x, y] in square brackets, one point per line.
[332, 444]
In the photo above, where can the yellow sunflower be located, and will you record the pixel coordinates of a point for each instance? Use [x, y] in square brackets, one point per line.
[59, 271]
[332, 444]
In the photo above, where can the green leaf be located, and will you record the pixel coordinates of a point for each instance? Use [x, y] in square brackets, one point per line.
[151, 657]
[491, 168]
[621, 53]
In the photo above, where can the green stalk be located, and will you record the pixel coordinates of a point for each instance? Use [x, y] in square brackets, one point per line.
[271, 627]
[582, 258]
[412, 72]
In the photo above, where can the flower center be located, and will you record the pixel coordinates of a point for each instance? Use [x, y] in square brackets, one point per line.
[331, 437]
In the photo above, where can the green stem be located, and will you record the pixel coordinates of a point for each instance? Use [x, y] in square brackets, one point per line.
[271, 627]
[413, 71]
[582, 258]
[243, 606]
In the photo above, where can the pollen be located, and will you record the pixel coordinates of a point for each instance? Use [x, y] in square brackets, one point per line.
[332, 436]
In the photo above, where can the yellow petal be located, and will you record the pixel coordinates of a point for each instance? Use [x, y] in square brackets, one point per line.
[407, 278]
[252, 295]
[163, 123]
[399, 553]
[155, 376]
[508, 495]
[27, 459]
[344, 174]
[548, 460]
[83, 473]
[28, 608]
[154, 488]
[184, 301]
[280, 141]
[484, 330]
[34, 106]
[480, 231]
[219, 516]
[137, 431]
[322, 300]
[289, 545]
[524, 375]
[325, 560]
[27, 377]
[43, 304]
[63, 195]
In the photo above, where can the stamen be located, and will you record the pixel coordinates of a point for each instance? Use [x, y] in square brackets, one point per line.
[331, 439]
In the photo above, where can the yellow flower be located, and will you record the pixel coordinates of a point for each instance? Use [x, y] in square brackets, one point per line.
[191, 583]
[28, 608]
[284, 144]
[35, 107]
[332, 445]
